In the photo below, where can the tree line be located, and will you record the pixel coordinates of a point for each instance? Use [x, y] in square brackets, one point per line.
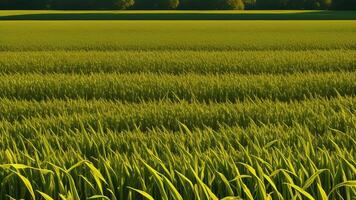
[177, 4]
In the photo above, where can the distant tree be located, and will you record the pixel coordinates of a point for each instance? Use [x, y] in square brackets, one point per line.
[156, 4]
[143, 4]
[70, 5]
[295, 4]
[309, 4]
[111, 4]
[326, 4]
[250, 4]
[124, 4]
[272, 4]
[24, 4]
[178, 4]
[168, 4]
[233, 5]
[212, 4]
[344, 4]
[199, 4]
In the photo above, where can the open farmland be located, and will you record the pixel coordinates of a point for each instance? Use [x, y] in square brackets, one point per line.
[177, 109]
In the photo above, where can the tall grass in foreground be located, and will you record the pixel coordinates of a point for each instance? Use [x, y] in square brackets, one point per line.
[268, 162]
[78, 149]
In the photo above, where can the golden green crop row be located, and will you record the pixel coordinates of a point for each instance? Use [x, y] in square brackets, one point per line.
[319, 115]
[147, 87]
[268, 162]
[166, 35]
[178, 62]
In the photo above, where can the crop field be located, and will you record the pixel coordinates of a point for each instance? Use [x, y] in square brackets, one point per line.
[177, 109]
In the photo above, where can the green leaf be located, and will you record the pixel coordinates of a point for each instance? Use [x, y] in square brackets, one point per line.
[98, 177]
[44, 195]
[73, 188]
[16, 166]
[301, 191]
[269, 180]
[249, 168]
[209, 194]
[27, 184]
[231, 198]
[75, 166]
[143, 193]
[174, 191]
[157, 178]
[343, 184]
[247, 191]
[312, 178]
[99, 197]
[240, 177]
[22, 166]
[322, 193]
[226, 183]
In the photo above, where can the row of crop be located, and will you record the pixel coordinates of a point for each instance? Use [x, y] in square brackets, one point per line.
[203, 35]
[269, 162]
[143, 87]
[318, 115]
[91, 143]
[16, 110]
[178, 62]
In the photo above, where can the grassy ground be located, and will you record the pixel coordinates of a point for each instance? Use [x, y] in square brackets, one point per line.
[178, 109]
[177, 35]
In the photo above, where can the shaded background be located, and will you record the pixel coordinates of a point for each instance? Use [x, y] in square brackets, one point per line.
[178, 4]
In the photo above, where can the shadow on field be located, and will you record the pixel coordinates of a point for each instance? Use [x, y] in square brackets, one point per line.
[313, 15]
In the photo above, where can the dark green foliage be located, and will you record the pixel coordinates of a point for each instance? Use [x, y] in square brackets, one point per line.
[234, 5]
[212, 4]
[168, 4]
[124, 4]
[272, 4]
[308, 4]
[66, 4]
[199, 4]
[156, 5]
[344, 4]
[25, 4]
[294, 4]
[92, 4]
[180, 4]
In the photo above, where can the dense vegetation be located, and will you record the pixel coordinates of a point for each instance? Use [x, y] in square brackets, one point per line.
[177, 110]
[178, 4]
[163, 36]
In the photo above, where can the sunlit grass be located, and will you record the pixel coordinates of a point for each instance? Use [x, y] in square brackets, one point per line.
[177, 35]
[177, 109]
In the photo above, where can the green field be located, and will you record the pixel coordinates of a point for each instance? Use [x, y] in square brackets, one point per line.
[175, 108]
[195, 35]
